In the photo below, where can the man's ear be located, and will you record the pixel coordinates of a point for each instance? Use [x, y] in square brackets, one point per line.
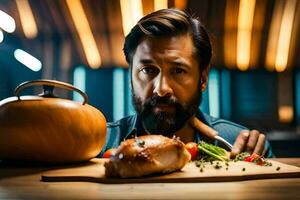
[204, 78]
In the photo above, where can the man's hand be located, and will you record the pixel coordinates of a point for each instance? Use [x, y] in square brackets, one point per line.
[251, 141]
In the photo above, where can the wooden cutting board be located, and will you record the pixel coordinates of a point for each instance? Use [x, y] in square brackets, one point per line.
[236, 171]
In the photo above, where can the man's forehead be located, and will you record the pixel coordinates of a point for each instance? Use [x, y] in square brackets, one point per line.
[177, 43]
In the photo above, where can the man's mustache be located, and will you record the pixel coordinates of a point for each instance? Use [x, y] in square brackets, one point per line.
[157, 100]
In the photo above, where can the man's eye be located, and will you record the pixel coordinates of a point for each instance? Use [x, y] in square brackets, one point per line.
[149, 70]
[179, 70]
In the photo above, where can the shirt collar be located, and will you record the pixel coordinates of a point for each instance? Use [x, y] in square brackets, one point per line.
[135, 128]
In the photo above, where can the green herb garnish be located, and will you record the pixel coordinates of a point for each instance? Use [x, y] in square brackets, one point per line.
[212, 152]
[278, 168]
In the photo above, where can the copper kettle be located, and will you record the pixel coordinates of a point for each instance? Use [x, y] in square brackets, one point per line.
[46, 128]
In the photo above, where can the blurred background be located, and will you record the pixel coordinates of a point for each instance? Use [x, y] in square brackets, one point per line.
[255, 71]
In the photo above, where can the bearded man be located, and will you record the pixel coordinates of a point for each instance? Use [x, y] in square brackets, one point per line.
[169, 54]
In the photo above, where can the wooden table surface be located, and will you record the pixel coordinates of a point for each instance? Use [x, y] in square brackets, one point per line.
[24, 183]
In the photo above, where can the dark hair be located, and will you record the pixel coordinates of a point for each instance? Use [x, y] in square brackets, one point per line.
[170, 22]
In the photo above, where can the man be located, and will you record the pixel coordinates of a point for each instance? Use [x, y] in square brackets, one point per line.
[169, 55]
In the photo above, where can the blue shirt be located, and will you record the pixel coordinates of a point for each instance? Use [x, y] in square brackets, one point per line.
[131, 126]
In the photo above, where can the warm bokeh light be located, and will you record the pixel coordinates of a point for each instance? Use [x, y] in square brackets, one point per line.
[245, 22]
[7, 23]
[180, 4]
[273, 36]
[27, 19]
[28, 60]
[132, 12]
[285, 35]
[85, 33]
[160, 4]
[286, 114]
[230, 34]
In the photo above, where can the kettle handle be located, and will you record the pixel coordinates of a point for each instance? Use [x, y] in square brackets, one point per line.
[53, 83]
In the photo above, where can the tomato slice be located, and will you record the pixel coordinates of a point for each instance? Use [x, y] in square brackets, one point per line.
[109, 153]
[192, 148]
[252, 158]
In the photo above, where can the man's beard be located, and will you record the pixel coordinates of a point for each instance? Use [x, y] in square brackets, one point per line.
[163, 122]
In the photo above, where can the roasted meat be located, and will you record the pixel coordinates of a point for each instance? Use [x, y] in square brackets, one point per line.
[147, 155]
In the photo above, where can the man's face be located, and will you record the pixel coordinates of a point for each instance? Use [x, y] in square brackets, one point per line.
[165, 83]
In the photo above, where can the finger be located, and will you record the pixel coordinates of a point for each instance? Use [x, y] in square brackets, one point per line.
[253, 137]
[239, 143]
[260, 145]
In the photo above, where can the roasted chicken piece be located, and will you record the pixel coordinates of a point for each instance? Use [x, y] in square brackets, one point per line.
[147, 155]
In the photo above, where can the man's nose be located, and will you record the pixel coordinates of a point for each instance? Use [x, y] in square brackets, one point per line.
[163, 87]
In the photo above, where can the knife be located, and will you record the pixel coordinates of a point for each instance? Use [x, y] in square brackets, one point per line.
[208, 131]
